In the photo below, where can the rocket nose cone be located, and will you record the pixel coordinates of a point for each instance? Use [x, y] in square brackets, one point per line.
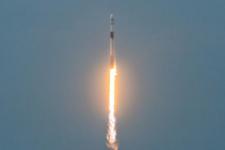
[111, 19]
[111, 16]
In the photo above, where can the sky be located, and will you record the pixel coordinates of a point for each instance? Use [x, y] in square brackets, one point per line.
[171, 69]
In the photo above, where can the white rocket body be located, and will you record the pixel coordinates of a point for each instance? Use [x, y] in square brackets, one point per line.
[111, 43]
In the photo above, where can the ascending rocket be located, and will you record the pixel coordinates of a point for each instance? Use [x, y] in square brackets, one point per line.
[111, 42]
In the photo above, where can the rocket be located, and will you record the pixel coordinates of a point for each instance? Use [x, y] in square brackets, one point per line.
[112, 60]
[111, 132]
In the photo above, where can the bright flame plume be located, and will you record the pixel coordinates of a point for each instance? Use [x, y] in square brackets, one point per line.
[111, 133]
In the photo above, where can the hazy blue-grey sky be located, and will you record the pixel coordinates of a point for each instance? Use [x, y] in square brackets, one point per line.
[53, 67]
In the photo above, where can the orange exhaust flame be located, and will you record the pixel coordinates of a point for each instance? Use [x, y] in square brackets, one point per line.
[111, 133]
